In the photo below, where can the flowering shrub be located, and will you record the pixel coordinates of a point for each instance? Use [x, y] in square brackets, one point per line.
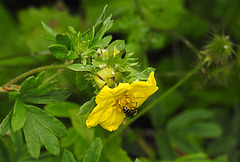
[85, 95]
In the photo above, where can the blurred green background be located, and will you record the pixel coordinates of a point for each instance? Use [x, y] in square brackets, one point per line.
[202, 116]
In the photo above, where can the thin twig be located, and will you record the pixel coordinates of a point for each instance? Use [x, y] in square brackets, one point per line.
[32, 71]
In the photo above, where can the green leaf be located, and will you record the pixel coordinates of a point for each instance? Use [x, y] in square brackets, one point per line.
[173, 102]
[61, 109]
[59, 50]
[113, 152]
[226, 142]
[42, 89]
[87, 107]
[81, 82]
[197, 157]
[53, 96]
[13, 96]
[40, 78]
[32, 137]
[48, 139]
[41, 128]
[47, 121]
[118, 44]
[203, 130]
[163, 14]
[78, 122]
[94, 151]
[70, 139]
[63, 39]
[49, 29]
[68, 156]
[72, 30]
[101, 16]
[80, 147]
[137, 160]
[19, 115]
[45, 157]
[221, 158]
[4, 152]
[18, 142]
[6, 124]
[49, 38]
[184, 143]
[29, 83]
[101, 28]
[72, 55]
[165, 149]
[188, 117]
[80, 67]
[105, 41]
[116, 155]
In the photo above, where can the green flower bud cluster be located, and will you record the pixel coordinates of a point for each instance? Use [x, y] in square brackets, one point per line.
[94, 56]
[219, 50]
[217, 55]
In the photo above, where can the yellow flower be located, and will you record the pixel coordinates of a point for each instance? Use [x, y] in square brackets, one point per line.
[110, 102]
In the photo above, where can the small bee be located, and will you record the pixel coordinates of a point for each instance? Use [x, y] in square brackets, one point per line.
[130, 113]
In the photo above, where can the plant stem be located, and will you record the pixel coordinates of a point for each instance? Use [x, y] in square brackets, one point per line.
[160, 98]
[32, 71]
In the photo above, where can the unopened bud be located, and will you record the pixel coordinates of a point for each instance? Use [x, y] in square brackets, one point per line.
[106, 76]
[219, 50]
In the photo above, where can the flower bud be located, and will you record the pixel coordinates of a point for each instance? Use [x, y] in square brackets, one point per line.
[106, 76]
[219, 50]
[105, 54]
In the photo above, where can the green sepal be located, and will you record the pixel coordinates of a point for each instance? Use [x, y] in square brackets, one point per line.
[87, 107]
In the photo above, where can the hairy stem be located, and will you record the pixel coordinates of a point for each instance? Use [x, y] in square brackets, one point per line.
[32, 71]
[160, 98]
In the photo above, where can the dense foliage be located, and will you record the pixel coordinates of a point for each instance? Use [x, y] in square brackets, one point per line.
[53, 62]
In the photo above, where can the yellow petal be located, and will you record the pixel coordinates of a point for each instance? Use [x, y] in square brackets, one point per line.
[151, 79]
[99, 114]
[107, 93]
[142, 90]
[114, 121]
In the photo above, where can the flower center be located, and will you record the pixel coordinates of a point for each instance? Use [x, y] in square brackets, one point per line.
[125, 101]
